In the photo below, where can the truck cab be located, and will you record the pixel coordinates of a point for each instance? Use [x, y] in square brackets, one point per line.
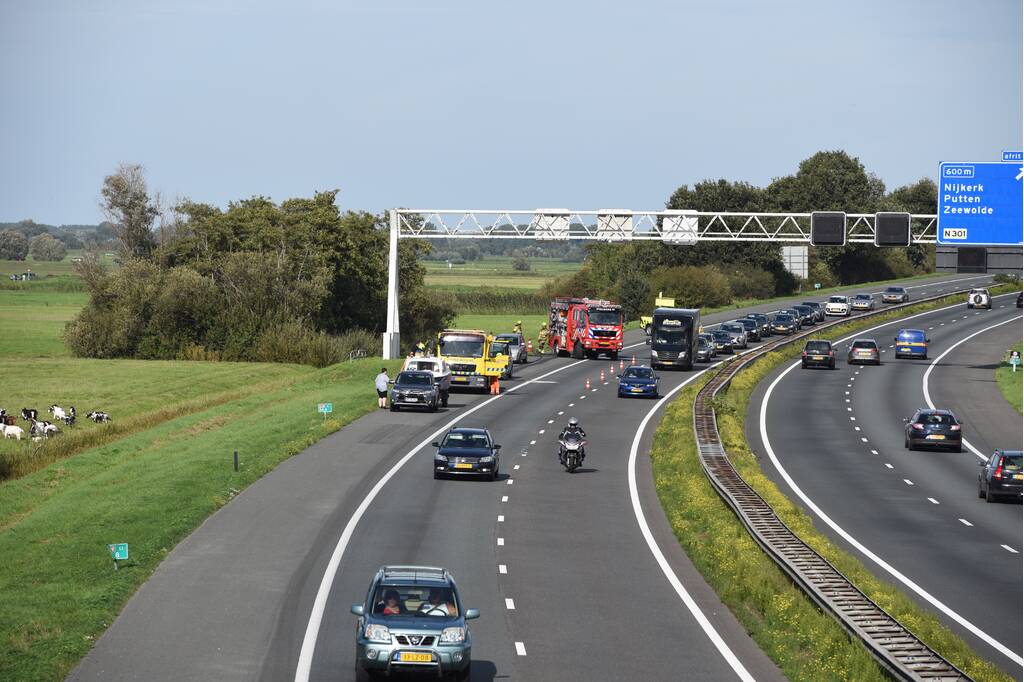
[585, 327]
[673, 338]
[468, 353]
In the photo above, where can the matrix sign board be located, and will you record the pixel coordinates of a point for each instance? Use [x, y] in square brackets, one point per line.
[980, 203]
[828, 228]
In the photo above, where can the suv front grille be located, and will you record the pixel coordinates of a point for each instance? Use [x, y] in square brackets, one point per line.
[415, 640]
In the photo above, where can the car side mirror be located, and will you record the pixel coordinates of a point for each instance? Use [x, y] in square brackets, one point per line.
[927, 340]
[472, 614]
[981, 464]
[497, 447]
[647, 341]
[906, 420]
[357, 609]
[437, 444]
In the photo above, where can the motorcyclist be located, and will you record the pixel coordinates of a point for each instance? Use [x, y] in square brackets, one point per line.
[573, 428]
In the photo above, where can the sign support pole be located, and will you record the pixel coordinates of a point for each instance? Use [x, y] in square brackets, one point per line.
[390, 340]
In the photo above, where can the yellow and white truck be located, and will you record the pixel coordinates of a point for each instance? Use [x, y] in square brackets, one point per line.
[468, 353]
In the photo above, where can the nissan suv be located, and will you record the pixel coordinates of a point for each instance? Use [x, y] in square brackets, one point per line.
[413, 620]
[415, 389]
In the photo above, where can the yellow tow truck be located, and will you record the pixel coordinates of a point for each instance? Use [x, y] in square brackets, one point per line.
[468, 353]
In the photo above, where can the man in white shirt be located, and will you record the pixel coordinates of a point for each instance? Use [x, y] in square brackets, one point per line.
[381, 383]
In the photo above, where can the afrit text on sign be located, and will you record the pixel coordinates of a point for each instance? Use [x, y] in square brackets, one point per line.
[980, 203]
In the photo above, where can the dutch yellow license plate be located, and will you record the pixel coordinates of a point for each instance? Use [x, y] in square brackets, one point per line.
[414, 657]
[1018, 477]
[935, 437]
[463, 465]
[817, 357]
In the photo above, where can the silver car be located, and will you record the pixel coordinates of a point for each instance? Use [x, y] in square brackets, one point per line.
[738, 333]
[516, 346]
[862, 302]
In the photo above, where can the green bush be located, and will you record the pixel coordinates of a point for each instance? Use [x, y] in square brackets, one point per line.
[751, 283]
[693, 287]
[292, 342]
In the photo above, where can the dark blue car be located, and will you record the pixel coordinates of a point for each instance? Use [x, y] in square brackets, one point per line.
[638, 380]
[466, 451]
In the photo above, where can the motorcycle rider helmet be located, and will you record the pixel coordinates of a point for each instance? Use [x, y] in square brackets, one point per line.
[573, 421]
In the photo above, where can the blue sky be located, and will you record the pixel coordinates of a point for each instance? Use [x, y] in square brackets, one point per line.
[474, 105]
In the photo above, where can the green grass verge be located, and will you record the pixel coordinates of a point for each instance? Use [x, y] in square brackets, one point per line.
[806, 643]
[1011, 383]
[151, 489]
[32, 322]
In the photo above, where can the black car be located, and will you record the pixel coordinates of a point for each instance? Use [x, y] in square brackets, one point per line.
[723, 341]
[819, 310]
[764, 323]
[753, 330]
[818, 353]
[933, 429]
[1020, 300]
[802, 318]
[415, 389]
[1001, 476]
[807, 315]
[784, 323]
[466, 451]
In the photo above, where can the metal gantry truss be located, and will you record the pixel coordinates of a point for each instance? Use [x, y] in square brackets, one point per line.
[612, 225]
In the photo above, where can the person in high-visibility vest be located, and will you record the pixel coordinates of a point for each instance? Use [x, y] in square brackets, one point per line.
[542, 339]
[518, 327]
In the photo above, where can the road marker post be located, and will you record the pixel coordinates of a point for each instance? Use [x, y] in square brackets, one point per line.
[118, 552]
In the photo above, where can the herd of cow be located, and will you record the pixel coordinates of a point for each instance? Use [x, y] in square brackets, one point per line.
[40, 429]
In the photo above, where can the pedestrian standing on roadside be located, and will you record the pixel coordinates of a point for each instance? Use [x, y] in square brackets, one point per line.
[381, 384]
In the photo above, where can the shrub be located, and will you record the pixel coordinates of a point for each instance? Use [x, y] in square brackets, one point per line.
[295, 343]
[520, 264]
[751, 283]
[13, 245]
[44, 247]
[693, 287]
[819, 273]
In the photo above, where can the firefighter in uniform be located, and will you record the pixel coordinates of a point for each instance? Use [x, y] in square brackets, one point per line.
[542, 339]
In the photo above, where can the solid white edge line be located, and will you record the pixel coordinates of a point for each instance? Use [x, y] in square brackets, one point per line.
[652, 544]
[305, 663]
[928, 372]
[920, 591]
[1007, 547]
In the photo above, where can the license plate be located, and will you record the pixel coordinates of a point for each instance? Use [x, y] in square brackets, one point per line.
[414, 657]
[459, 380]
[1018, 477]
[817, 357]
[934, 437]
[637, 390]
[463, 465]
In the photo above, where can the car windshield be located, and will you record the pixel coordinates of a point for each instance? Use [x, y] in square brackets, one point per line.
[894, 290]
[732, 327]
[613, 317]
[810, 304]
[865, 344]
[407, 379]
[703, 342]
[722, 336]
[820, 346]
[462, 439]
[837, 299]
[499, 348]
[747, 323]
[462, 346]
[863, 297]
[415, 601]
[944, 419]
[639, 373]
[784, 317]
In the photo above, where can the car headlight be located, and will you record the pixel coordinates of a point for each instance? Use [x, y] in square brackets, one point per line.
[378, 633]
[440, 457]
[654, 353]
[682, 353]
[453, 635]
[487, 459]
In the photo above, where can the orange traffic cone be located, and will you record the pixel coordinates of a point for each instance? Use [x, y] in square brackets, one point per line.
[634, 359]
[602, 375]
[611, 370]
[622, 365]
[587, 385]
[529, 346]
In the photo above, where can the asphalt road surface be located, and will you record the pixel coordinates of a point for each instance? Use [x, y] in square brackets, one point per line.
[581, 593]
[839, 436]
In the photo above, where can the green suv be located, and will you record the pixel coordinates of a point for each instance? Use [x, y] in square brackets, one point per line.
[413, 621]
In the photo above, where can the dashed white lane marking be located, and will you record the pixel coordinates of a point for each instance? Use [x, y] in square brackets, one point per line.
[522, 454]
[977, 313]
[853, 378]
[520, 649]
[501, 542]
[515, 468]
[857, 372]
[942, 324]
[856, 428]
[849, 386]
[541, 431]
[583, 397]
[888, 466]
[551, 421]
[501, 518]
[874, 452]
[848, 400]
[933, 500]
[908, 481]
[847, 392]
[533, 442]
[509, 604]
[572, 404]
[1007, 547]
[561, 412]
[865, 440]
[594, 389]
[503, 569]
[504, 498]
[965, 522]
[508, 482]
[929, 329]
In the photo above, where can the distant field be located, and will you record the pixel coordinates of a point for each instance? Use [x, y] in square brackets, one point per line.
[43, 268]
[496, 324]
[497, 271]
[32, 322]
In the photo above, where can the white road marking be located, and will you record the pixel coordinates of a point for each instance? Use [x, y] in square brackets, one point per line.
[572, 404]
[857, 428]
[1007, 547]
[928, 372]
[515, 468]
[888, 465]
[509, 604]
[874, 452]
[965, 522]
[863, 440]
[501, 542]
[933, 500]
[503, 569]
[520, 649]
[541, 431]
[551, 421]
[929, 329]
[501, 518]
[594, 389]
[561, 412]
[847, 393]
[978, 632]
[504, 498]
[583, 397]
[508, 482]
[533, 442]
[908, 481]
[848, 400]
[305, 662]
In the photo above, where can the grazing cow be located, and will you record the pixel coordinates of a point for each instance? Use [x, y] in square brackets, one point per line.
[57, 411]
[69, 419]
[98, 417]
[28, 414]
[12, 431]
[9, 420]
[44, 429]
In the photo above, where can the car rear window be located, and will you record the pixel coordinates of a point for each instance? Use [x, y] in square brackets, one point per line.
[1012, 462]
[936, 419]
[862, 297]
[911, 336]
[784, 317]
[894, 290]
[865, 344]
[818, 345]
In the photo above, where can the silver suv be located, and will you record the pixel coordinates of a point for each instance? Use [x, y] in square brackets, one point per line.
[413, 620]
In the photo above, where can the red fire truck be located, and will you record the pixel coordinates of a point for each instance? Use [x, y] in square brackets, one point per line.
[584, 327]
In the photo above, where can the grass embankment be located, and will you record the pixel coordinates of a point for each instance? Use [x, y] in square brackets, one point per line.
[1011, 383]
[806, 643]
[150, 489]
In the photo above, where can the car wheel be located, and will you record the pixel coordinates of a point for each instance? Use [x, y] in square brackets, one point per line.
[958, 448]
[462, 675]
[436, 476]
[906, 443]
[393, 408]
[989, 497]
[981, 493]
[494, 474]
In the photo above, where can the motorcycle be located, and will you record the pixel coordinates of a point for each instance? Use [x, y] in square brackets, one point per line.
[571, 452]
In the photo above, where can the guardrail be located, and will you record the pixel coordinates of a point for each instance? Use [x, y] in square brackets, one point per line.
[897, 649]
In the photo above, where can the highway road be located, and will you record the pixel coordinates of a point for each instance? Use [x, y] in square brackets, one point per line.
[566, 580]
[837, 442]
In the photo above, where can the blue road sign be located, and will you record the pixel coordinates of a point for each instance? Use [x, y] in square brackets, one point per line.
[980, 203]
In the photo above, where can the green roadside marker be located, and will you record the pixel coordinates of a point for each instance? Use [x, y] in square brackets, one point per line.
[118, 552]
[324, 409]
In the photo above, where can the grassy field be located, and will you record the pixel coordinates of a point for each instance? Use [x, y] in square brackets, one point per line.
[1011, 383]
[806, 643]
[32, 321]
[496, 271]
[44, 268]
